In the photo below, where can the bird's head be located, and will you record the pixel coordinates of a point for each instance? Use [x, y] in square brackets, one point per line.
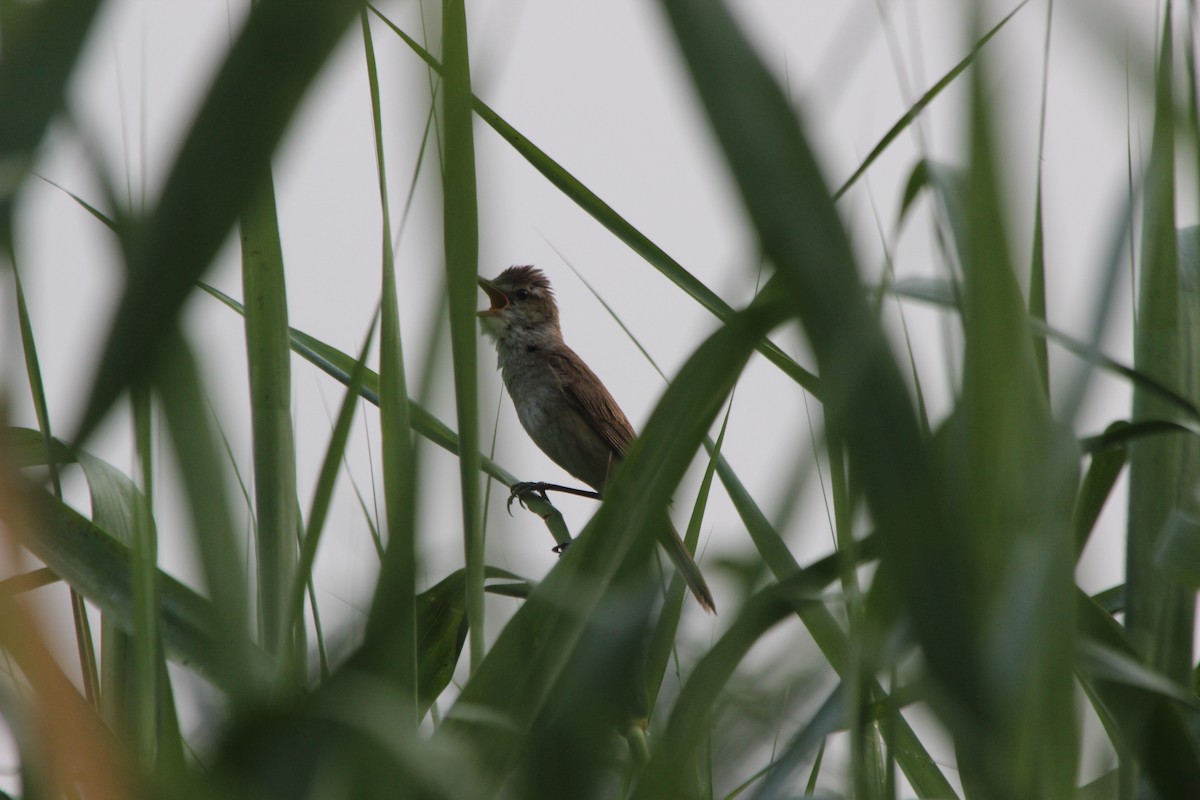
[522, 304]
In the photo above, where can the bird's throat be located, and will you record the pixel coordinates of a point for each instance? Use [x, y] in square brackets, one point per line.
[492, 324]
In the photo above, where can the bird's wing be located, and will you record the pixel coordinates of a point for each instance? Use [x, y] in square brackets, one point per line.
[598, 407]
[585, 391]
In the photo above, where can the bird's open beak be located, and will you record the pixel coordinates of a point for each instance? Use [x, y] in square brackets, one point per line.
[498, 299]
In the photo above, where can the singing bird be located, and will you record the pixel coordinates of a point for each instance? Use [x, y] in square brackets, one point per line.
[561, 403]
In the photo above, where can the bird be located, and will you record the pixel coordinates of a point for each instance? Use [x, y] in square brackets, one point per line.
[561, 403]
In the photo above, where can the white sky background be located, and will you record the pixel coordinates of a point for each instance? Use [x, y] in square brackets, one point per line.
[599, 87]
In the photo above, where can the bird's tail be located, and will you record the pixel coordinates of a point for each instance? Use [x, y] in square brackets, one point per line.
[681, 557]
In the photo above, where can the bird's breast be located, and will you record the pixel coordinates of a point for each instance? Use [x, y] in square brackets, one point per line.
[554, 423]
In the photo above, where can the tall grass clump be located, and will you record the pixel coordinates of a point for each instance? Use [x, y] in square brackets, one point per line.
[944, 646]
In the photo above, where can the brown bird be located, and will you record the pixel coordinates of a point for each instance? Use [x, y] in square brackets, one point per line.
[561, 403]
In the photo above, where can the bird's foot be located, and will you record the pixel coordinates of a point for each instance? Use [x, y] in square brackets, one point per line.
[522, 489]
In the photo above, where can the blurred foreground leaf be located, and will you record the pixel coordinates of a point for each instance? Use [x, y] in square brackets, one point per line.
[95, 563]
[227, 147]
[39, 45]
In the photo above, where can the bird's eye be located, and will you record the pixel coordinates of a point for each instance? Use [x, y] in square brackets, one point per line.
[522, 294]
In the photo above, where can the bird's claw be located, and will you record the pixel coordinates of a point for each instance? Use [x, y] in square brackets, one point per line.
[518, 491]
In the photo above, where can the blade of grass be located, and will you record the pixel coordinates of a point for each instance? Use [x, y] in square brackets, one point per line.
[157, 720]
[856, 686]
[867, 403]
[28, 581]
[921, 104]
[830, 717]
[326, 480]
[1193, 106]
[461, 229]
[442, 614]
[810, 788]
[1098, 483]
[1037, 262]
[442, 630]
[179, 388]
[1013, 470]
[663, 640]
[1159, 614]
[390, 644]
[1188, 253]
[100, 216]
[99, 566]
[269, 361]
[83, 633]
[135, 668]
[993, 322]
[600, 690]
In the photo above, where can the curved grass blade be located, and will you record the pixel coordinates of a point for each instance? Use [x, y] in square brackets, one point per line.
[950, 185]
[442, 624]
[919, 106]
[95, 563]
[614, 222]
[100, 216]
[441, 631]
[830, 717]
[1107, 465]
